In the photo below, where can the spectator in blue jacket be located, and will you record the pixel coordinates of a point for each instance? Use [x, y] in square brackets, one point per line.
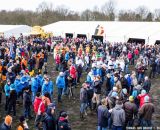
[51, 88]
[7, 88]
[18, 86]
[25, 80]
[60, 83]
[67, 56]
[34, 87]
[45, 87]
[40, 79]
[90, 78]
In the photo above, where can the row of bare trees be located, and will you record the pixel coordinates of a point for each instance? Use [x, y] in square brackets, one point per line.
[46, 14]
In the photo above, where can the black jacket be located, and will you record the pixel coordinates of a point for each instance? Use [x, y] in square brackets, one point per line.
[63, 124]
[49, 121]
[5, 127]
[13, 97]
[26, 99]
[97, 87]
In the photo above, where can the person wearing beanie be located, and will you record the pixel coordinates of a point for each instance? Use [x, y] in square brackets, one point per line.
[118, 116]
[7, 123]
[112, 99]
[146, 112]
[22, 124]
[63, 123]
[123, 95]
[141, 97]
[131, 111]
[147, 84]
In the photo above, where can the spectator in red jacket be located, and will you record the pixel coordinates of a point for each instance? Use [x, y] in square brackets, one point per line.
[73, 73]
[57, 59]
[39, 109]
[141, 97]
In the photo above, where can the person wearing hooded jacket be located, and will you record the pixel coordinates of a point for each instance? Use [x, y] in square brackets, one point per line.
[48, 119]
[25, 80]
[118, 116]
[103, 115]
[60, 83]
[34, 87]
[45, 87]
[18, 86]
[51, 88]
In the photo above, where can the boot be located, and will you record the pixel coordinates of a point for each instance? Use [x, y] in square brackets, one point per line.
[94, 106]
[81, 116]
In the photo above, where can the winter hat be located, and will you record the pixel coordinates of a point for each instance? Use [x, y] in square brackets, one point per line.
[22, 118]
[131, 98]
[108, 75]
[146, 78]
[124, 91]
[115, 89]
[146, 99]
[114, 94]
[52, 105]
[143, 92]
[8, 120]
[64, 114]
[61, 74]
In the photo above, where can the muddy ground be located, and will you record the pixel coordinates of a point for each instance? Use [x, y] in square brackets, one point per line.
[72, 106]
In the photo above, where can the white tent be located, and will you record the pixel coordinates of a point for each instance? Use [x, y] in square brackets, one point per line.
[113, 30]
[14, 30]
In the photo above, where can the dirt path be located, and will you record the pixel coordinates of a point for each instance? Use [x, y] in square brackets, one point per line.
[72, 105]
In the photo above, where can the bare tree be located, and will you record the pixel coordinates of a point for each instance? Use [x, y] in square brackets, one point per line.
[142, 11]
[157, 14]
[87, 15]
[109, 9]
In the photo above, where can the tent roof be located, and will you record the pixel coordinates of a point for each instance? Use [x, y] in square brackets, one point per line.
[10, 30]
[4, 28]
[113, 30]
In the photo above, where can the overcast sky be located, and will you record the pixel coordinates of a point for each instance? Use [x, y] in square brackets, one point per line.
[78, 5]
